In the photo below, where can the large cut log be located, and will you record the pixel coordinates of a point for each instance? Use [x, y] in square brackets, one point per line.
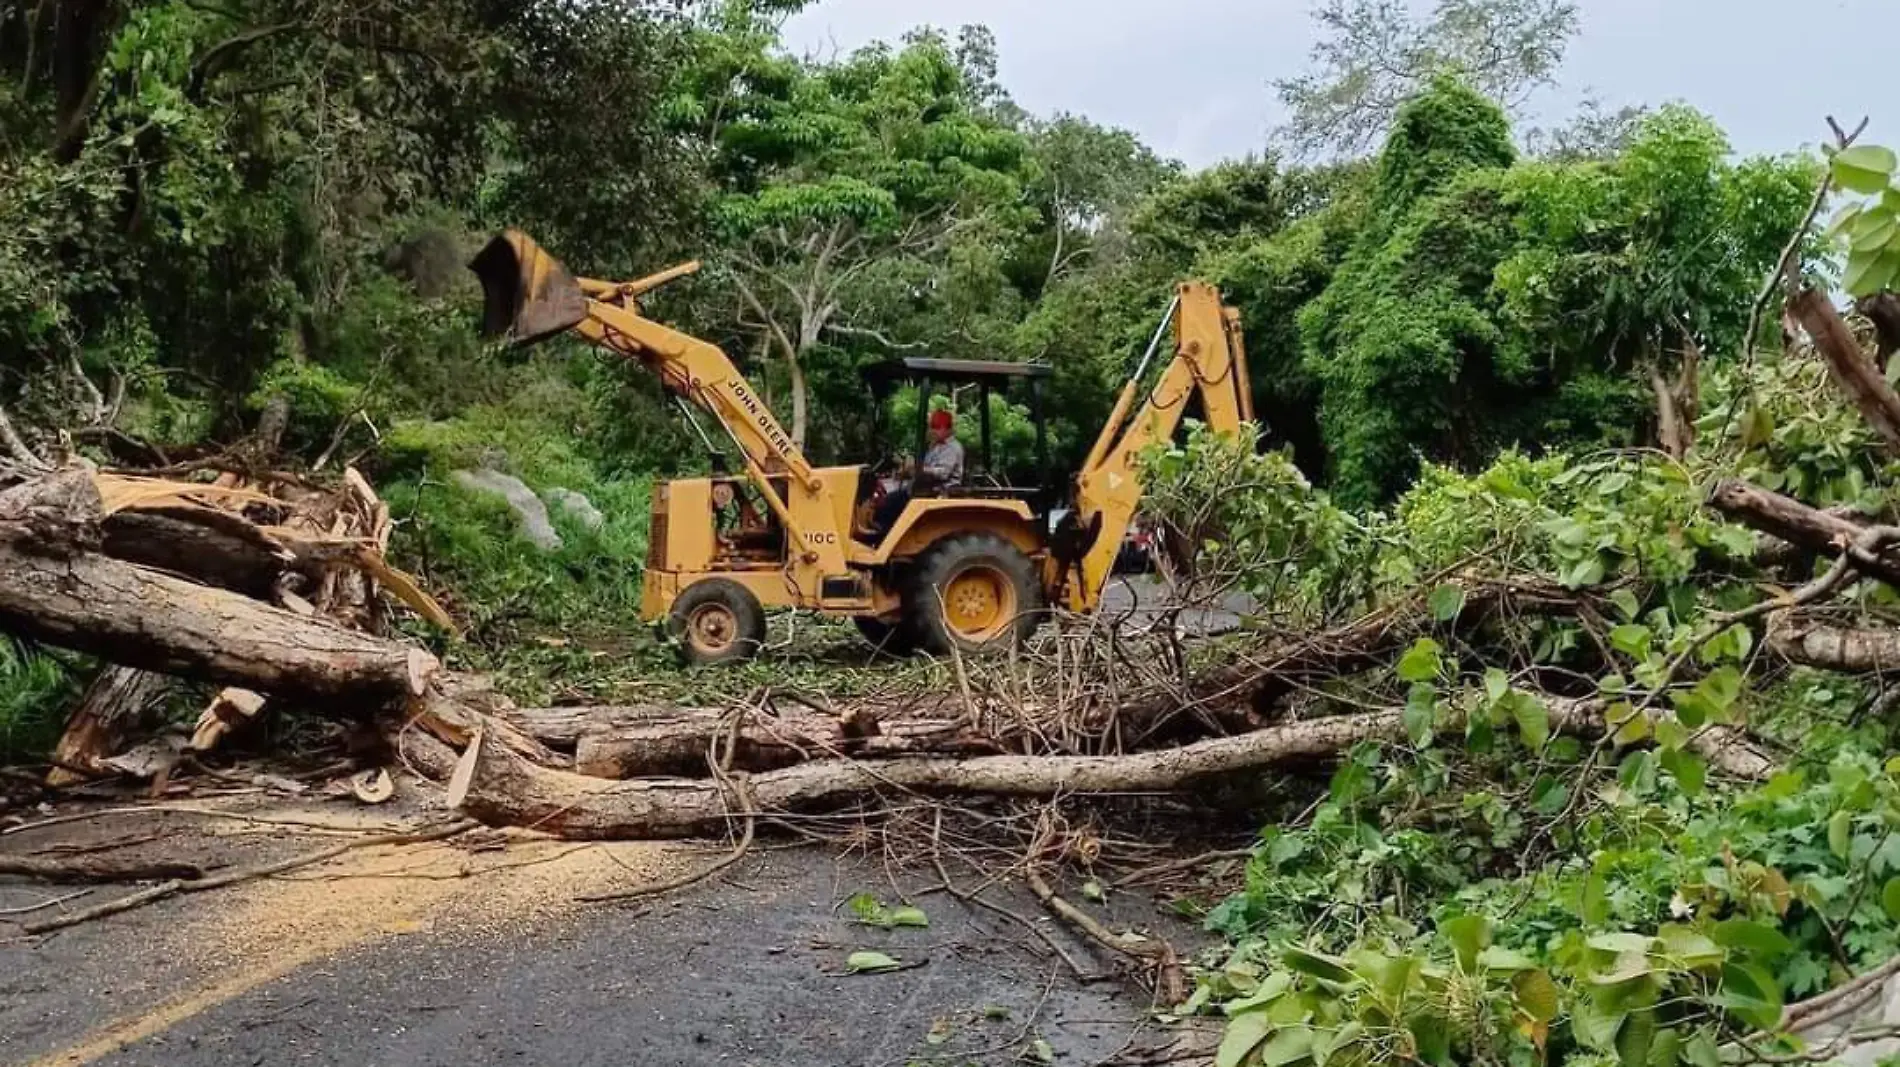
[1821, 532]
[110, 708]
[497, 785]
[1812, 643]
[140, 618]
[205, 545]
[1858, 376]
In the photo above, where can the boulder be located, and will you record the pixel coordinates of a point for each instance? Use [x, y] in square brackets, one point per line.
[575, 506]
[533, 514]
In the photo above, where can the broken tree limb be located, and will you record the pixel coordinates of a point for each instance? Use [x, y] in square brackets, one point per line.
[1170, 981]
[1286, 664]
[1817, 531]
[1858, 376]
[500, 787]
[141, 618]
[111, 707]
[245, 874]
[1883, 310]
[1813, 643]
[93, 871]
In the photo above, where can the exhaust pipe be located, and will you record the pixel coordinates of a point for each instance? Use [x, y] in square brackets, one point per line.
[527, 295]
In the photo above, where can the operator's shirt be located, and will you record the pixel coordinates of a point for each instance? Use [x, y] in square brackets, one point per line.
[945, 461]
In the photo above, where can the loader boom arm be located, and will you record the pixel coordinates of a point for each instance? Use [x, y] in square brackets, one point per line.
[1209, 358]
[530, 296]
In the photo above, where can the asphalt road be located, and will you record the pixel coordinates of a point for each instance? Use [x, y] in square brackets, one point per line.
[742, 971]
[1139, 600]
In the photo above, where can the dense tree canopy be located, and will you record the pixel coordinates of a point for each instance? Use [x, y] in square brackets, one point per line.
[247, 221]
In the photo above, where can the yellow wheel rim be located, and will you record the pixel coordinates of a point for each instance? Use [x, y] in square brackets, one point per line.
[979, 602]
[712, 628]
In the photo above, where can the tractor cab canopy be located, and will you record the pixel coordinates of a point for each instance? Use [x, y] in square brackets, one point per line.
[981, 393]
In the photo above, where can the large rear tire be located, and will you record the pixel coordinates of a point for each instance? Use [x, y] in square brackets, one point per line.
[717, 621]
[972, 593]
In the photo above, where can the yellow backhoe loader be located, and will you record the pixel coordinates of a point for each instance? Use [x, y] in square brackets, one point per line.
[968, 566]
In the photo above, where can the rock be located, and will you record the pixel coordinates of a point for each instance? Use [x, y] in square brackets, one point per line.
[576, 506]
[528, 507]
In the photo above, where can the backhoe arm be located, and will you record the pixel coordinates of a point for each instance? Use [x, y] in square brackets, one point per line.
[531, 297]
[1209, 358]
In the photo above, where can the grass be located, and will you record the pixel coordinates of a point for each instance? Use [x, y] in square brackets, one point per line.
[36, 691]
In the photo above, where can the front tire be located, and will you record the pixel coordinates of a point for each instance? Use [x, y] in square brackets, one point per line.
[972, 593]
[717, 621]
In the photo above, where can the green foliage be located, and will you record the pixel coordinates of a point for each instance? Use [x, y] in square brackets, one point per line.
[36, 692]
[1407, 314]
[1515, 304]
[1869, 227]
[1251, 521]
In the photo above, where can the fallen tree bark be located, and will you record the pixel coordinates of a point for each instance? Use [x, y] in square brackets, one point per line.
[661, 742]
[92, 871]
[230, 554]
[55, 588]
[498, 786]
[1817, 531]
[1811, 643]
[142, 618]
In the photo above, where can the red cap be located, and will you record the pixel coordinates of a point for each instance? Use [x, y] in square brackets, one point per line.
[940, 420]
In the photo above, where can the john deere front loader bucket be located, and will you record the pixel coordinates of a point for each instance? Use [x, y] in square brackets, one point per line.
[527, 294]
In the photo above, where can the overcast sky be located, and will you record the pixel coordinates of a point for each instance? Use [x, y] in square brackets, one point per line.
[1191, 76]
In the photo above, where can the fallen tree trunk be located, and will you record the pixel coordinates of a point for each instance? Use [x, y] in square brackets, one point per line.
[111, 707]
[498, 786]
[141, 618]
[55, 588]
[1817, 531]
[1811, 643]
[658, 742]
[88, 870]
[230, 554]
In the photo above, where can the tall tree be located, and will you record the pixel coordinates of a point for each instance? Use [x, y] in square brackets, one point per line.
[840, 175]
[1374, 55]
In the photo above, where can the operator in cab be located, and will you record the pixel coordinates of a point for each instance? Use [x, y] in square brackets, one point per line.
[942, 468]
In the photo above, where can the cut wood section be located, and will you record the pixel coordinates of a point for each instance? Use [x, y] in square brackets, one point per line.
[231, 707]
[1858, 376]
[1821, 532]
[452, 707]
[141, 618]
[110, 708]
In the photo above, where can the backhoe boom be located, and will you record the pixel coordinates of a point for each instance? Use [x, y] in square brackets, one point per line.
[1209, 359]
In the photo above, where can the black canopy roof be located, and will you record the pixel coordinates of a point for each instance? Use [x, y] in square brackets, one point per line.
[951, 370]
